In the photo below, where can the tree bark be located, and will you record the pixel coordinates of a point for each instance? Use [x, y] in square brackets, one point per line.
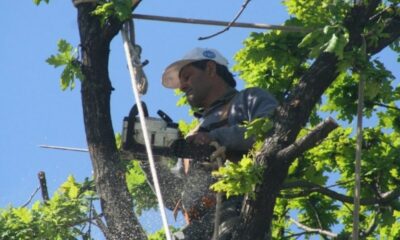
[109, 175]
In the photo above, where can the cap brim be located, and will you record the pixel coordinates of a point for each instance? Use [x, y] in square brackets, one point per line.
[170, 77]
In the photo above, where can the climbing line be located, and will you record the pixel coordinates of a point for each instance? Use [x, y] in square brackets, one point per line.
[133, 71]
[357, 168]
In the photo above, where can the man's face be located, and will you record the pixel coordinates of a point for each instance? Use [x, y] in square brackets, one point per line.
[196, 84]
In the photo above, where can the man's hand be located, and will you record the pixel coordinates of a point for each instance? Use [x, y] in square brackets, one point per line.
[200, 138]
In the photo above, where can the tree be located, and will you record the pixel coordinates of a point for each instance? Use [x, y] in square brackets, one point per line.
[299, 68]
[328, 60]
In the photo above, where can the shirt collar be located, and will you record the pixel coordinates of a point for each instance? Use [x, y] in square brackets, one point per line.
[201, 113]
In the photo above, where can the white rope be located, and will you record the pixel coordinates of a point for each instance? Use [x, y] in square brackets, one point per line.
[133, 74]
[357, 167]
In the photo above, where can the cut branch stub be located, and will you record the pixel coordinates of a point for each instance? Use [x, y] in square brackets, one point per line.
[43, 186]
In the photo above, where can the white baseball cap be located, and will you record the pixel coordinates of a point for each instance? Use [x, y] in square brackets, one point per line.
[170, 77]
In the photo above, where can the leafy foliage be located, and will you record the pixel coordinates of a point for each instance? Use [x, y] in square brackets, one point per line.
[331, 39]
[37, 2]
[120, 9]
[185, 128]
[258, 128]
[160, 234]
[272, 60]
[66, 57]
[238, 178]
[143, 196]
[62, 217]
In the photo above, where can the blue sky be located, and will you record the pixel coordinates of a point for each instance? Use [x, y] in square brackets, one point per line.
[34, 109]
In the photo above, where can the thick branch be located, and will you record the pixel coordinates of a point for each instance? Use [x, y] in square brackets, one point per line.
[309, 187]
[307, 142]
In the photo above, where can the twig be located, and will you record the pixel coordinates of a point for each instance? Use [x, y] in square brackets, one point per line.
[31, 197]
[314, 230]
[310, 187]
[101, 224]
[297, 235]
[244, 5]
[384, 105]
[90, 217]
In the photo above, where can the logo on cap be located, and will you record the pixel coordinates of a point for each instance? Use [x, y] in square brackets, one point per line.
[209, 54]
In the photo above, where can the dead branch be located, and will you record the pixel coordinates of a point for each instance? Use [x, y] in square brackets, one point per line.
[43, 186]
[31, 197]
[314, 230]
[244, 5]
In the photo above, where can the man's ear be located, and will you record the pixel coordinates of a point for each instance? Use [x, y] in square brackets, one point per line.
[211, 68]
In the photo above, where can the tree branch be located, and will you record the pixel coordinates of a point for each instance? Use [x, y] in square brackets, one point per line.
[100, 224]
[384, 105]
[244, 5]
[391, 30]
[297, 235]
[309, 187]
[307, 142]
[314, 230]
[370, 229]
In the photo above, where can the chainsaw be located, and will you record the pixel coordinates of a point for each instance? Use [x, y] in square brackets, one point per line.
[165, 138]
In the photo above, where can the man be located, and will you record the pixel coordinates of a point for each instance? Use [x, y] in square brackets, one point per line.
[203, 76]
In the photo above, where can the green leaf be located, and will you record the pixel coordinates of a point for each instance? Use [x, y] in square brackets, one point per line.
[238, 178]
[309, 38]
[258, 128]
[336, 45]
[66, 57]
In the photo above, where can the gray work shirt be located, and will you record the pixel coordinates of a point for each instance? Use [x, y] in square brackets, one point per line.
[223, 120]
[246, 105]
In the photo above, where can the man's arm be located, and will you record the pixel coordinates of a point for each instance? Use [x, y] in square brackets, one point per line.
[251, 104]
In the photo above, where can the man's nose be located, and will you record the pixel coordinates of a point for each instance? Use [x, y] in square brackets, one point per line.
[183, 85]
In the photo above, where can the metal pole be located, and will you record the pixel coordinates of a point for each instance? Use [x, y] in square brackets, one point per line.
[220, 23]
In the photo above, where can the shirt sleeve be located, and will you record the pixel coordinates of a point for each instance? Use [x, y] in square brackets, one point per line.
[250, 104]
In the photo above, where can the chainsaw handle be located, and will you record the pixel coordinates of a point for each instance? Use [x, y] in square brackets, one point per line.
[135, 111]
[181, 148]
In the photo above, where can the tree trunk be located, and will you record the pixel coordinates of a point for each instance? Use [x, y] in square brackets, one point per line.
[109, 175]
[289, 117]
